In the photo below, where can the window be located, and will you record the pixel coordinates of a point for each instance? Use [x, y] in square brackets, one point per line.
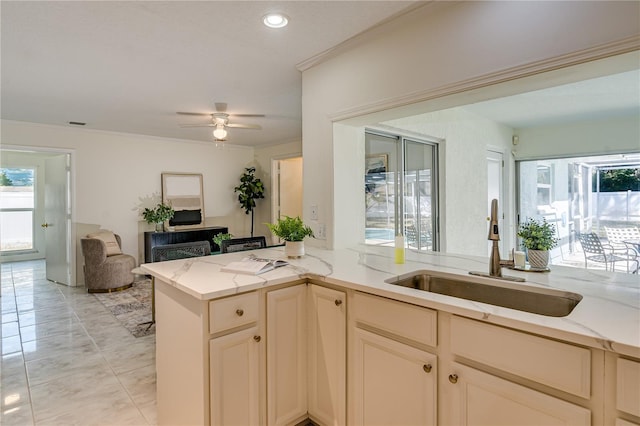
[544, 185]
[400, 202]
[17, 204]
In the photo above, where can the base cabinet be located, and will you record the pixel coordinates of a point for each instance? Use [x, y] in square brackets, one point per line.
[478, 398]
[327, 331]
[287, 355]
[234, 378]
[393, 383]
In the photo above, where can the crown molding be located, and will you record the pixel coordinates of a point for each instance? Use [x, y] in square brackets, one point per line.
[618, 47]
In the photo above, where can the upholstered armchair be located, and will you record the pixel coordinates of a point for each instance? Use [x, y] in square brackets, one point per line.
[106, 268]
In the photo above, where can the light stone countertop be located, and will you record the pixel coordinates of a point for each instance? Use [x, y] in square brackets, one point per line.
[608, 317]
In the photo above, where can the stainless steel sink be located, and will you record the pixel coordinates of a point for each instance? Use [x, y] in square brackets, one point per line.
[542, 301]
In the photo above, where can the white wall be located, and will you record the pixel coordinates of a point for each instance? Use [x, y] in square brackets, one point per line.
[436, 51]
[115, 175]
[605, 136]
[463, 175]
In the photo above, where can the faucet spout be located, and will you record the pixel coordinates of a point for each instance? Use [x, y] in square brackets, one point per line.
[495, 269]
[495, 264]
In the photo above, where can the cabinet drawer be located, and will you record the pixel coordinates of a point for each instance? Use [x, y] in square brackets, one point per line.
[555, 364]
[233, 312]
[401, 319]
[628, 386]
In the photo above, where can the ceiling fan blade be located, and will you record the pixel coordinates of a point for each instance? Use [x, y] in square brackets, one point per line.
[247, 115]
[221, 106]
[197, 125]
[205, 114]
[244, 126]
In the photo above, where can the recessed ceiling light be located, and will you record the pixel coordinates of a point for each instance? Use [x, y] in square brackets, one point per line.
[275, 20]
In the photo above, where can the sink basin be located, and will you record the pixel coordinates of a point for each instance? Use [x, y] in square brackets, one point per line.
[542, 301]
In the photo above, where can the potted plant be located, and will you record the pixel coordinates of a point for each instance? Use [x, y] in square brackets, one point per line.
[538, 237]
[219, 238]
[250, 189]
[293, 231]
[158, 215]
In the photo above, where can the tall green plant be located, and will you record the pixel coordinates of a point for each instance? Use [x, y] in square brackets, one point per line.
[249, 190]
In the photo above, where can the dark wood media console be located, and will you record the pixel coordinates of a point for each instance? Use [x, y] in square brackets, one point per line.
[152, 239]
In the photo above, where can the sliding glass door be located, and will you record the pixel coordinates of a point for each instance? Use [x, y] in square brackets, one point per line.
[401, 190]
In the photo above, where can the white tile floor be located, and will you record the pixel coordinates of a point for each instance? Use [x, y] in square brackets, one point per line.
[66, 360]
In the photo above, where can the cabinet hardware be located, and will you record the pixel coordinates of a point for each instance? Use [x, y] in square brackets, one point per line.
[256, 338]
[453, 378]
[239, 312]
[338, 302]
[427, 368]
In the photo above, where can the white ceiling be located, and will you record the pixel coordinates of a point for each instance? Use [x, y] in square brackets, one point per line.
[129, 66]
[597, 98]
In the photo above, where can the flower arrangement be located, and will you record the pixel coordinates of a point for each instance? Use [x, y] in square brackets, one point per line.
[290, 229]
[538, 235]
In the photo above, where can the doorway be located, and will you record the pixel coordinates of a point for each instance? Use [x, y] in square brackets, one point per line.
[48, 220]
[286, 181]
[495, 190]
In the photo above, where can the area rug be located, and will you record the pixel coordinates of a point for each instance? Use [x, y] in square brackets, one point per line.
[132, 307]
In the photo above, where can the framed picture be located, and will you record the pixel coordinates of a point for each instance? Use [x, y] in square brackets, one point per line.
[183, 191]
[376, 163]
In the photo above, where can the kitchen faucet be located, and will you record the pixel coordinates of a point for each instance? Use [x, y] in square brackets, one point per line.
[495, 264]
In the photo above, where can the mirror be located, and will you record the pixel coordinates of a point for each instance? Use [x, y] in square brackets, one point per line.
[183, 191]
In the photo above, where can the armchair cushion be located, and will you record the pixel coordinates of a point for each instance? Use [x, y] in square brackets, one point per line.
[109, 239]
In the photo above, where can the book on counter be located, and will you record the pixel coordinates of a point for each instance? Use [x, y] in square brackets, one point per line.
[253, 265]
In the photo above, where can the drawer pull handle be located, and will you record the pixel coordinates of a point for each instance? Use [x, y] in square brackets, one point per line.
[239, 312]
[256, 338]
[338, 302]
[427, 368]
[453, 378]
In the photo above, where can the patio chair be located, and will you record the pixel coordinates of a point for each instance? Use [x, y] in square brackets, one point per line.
[597, 252]
[619, 237]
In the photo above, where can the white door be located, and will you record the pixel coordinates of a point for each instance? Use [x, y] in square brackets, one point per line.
[495, 167]
[57, 217]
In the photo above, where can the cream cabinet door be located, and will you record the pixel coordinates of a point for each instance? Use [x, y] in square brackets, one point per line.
[234, 364]
[287, 355]
[478, 398]
[327, 355]
[393, 383]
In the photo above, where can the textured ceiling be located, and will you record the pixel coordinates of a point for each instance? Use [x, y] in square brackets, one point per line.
[128, 66]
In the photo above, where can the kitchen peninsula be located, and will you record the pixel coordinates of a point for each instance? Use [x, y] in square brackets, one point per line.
[306, 340]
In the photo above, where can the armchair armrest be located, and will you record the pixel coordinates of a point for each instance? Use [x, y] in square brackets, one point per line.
[94, 251]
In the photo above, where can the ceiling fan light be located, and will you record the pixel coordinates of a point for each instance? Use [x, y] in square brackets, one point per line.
[275, 20]
[220, 133]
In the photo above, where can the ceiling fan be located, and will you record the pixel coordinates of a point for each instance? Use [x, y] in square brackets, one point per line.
[220, 120]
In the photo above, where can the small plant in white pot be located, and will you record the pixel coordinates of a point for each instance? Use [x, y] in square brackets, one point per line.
[293, 231]
[538, 237]
[158, 215]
